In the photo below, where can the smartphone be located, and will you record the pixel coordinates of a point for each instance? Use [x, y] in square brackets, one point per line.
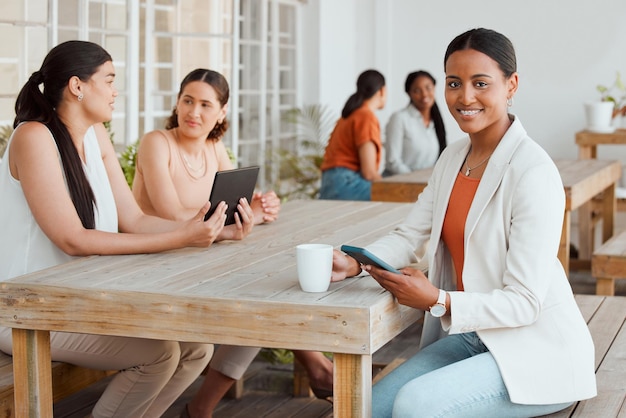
[365, 257]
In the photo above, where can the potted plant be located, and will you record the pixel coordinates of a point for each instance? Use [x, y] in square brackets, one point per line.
[612, 103]
[615, 94]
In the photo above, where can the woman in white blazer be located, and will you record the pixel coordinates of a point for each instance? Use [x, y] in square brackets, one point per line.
[503, 336]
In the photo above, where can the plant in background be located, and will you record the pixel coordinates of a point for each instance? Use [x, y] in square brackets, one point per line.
[231, 156]
[277, 355]
[107, 125]
[5, 134]
[128, 161]
[299, 166]
[615, 93]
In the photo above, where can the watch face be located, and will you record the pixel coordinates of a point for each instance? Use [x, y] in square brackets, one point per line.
[437, 310]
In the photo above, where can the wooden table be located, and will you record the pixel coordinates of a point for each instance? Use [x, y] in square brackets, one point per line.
[588, 142]
[241, 293]
[401, 187]
[582, 180]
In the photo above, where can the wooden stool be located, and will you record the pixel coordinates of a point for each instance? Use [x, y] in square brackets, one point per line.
[608, 263]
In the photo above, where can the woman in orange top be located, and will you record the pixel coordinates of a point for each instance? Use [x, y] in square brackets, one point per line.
[352, 157]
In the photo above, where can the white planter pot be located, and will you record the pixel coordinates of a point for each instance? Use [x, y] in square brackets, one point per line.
[599, 116]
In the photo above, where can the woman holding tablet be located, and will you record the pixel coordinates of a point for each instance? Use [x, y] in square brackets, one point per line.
[175, 172]
[176, 167]
[502, 334]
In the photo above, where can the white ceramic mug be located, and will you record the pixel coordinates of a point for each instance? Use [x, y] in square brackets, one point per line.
[315, 266]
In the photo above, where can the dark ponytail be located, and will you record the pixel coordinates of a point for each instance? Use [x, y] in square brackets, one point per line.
[367, 85]
[68, 59]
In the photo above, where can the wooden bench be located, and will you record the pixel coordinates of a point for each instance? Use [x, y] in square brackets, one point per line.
[606, 318]
[608, 263]
[66, 380]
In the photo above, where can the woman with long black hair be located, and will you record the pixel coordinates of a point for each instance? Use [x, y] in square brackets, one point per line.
[64, 195]
[416, 135]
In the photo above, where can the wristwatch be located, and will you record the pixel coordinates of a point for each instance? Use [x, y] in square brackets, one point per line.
[439, 309]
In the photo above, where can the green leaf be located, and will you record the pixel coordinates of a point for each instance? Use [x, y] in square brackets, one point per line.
[619, 83]
[298, 168]
[128, 161]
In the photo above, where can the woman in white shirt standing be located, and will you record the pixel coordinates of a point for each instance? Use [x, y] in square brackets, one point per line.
[416, 134]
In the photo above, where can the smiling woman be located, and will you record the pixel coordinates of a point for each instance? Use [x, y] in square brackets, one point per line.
[502, 334]
[477, 96]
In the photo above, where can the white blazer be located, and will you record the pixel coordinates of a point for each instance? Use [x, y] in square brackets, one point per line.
[517, 296]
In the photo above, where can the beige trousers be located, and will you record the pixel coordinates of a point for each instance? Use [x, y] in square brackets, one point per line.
[152, 373]
[233, 360]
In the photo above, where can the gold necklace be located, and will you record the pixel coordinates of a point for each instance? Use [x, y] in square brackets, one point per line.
[189, 164]
[469, 169]
[191, 170]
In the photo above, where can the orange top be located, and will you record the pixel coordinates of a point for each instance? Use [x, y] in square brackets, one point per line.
[453, 231]
[349, 134]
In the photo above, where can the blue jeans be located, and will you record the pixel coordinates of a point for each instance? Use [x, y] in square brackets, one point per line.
[340, 183]
[453, 377]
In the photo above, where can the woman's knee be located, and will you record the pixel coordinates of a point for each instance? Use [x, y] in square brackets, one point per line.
[164, 358]
[412, 399]
[403, 405]
[196, 353]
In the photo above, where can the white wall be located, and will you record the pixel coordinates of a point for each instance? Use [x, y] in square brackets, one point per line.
[564, 49]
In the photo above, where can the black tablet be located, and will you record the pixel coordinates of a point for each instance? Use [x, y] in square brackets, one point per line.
[230, 186]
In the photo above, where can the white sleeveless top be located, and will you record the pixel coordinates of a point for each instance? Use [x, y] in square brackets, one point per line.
[24, 247]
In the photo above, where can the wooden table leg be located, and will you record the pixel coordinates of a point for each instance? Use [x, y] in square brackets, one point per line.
[565, 241]
[352, 386]
[32, 374]
[585, 231]
[587, 152]
[605, 286]
[609, 207]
